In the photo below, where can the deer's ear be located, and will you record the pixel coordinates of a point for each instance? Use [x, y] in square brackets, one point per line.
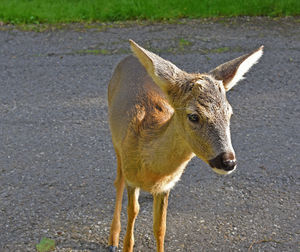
[233, 71]
[163, 72]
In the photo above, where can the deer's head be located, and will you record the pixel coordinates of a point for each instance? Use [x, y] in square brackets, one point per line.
[201, 110]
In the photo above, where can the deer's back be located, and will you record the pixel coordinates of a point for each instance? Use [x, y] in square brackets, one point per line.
[136, 104]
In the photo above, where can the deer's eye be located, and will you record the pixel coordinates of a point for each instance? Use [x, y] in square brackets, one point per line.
[193, 118]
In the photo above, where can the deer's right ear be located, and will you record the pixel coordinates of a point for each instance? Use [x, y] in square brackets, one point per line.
[163, 72]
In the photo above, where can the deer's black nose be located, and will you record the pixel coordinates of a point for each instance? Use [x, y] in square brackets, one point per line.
[224, 161]
[228, 165]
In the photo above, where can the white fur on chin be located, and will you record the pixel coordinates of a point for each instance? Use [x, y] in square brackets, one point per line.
[223, 172]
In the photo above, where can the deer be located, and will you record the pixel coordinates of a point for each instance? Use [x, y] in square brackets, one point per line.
[160, 117]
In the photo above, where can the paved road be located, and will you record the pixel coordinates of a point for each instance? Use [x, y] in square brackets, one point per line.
[57, 163]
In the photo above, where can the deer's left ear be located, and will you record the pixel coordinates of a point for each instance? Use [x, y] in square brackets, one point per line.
[233, 71]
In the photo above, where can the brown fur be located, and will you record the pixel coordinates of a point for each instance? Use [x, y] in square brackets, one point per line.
[149, 102]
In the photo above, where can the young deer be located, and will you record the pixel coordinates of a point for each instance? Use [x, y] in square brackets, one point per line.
[160, 117]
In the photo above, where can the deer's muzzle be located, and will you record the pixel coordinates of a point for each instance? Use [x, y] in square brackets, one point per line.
[224, 163]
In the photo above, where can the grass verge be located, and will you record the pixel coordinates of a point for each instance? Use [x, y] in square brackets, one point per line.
[67, 11]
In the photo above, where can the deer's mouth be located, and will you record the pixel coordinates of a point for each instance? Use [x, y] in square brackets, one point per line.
[222, 172]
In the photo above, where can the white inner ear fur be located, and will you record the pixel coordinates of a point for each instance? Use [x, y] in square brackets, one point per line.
[244, 67]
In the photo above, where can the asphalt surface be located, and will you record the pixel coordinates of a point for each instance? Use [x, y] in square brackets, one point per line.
[57, 163]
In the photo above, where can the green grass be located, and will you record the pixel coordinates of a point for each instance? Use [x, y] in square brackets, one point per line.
[66, 11]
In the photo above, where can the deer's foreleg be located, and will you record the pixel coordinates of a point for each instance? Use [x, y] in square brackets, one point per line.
[160, 205]
[116, 223]
[132, 212]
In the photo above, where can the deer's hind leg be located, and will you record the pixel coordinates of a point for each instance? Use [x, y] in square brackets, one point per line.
[116, 222]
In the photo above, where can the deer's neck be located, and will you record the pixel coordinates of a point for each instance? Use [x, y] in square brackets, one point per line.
[167, 151]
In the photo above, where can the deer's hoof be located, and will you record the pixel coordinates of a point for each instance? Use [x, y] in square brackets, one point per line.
[112, 248]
